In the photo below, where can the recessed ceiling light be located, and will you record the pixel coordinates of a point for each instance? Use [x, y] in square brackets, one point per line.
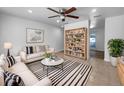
[29, 11]
[94, 10]
[57, 21]
[91, 26]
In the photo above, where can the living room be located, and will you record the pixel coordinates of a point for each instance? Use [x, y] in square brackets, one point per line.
[19, 27]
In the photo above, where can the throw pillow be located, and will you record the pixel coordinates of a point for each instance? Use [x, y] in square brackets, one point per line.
[41, 48]
[47, 47]
[11, 79]
[10, 60]
[29, 49]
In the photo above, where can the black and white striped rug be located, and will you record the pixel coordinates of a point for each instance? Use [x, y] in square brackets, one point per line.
[74, 73]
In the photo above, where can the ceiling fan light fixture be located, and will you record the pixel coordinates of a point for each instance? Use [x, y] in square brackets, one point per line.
[63, 13]
[63, 20]
[62, 17]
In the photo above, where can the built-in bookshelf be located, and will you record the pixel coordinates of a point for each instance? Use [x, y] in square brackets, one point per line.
[75, 42]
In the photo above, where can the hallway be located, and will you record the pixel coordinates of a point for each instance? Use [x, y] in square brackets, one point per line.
[97, 54]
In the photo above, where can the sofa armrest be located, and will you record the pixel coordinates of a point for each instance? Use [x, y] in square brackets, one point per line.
[44, 82]
[18, 59]
[1, 77]
[23, 56]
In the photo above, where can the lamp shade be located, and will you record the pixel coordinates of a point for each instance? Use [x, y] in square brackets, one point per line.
[7, 45]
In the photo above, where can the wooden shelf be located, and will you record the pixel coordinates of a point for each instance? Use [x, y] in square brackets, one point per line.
[75, 42]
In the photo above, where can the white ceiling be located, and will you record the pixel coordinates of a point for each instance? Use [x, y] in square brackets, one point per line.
[42, 13]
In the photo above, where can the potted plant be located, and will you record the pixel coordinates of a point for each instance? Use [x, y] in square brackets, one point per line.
[115, 47]
[47, 56]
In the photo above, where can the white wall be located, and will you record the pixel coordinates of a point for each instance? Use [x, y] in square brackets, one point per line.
[100, 35]
[13, 29]
[80, 25]
[77, 25]
[114, 28]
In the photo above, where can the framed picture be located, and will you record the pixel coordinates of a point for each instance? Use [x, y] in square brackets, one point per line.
[34, 35]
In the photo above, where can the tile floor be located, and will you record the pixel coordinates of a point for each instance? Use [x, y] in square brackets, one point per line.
[103, 73]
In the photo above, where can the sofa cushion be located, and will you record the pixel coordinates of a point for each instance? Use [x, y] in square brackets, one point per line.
[34, 55]
[40, 48]
[19, 67]
[10, 60]
[28, 77]
[29, 50]
[11, 79]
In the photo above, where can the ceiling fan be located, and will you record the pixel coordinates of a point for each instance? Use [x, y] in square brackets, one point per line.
[63, 13]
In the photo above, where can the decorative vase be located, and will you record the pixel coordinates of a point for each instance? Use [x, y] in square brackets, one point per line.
[114, 61]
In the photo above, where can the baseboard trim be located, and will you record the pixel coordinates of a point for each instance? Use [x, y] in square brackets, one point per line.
[106, 60]
[96, 50]
[59, 51]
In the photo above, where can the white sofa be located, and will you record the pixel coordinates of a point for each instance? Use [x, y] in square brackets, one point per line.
[38, 53]
[27, 76]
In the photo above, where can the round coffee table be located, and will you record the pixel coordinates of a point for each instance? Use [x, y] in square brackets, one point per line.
[52, 63]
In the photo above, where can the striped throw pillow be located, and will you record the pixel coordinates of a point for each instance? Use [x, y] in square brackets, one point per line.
[29, 49]
[11, 61]
[11, 79]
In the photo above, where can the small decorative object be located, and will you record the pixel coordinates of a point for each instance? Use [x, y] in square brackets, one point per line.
[34, 35]
[48, 56]
[115, 47]
[8, 45]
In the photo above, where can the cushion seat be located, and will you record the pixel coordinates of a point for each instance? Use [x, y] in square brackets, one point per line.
[28, 77]
[18, 68]
[31, 53]
[34, 55]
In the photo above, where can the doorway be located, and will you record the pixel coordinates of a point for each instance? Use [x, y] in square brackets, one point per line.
[95, 44]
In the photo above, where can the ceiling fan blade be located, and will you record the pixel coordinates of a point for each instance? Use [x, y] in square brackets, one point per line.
[53, 10]
[54, 16]
[76, 17]
[70, 10]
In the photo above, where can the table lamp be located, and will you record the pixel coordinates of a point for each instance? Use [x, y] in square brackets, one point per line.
[8, 45]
